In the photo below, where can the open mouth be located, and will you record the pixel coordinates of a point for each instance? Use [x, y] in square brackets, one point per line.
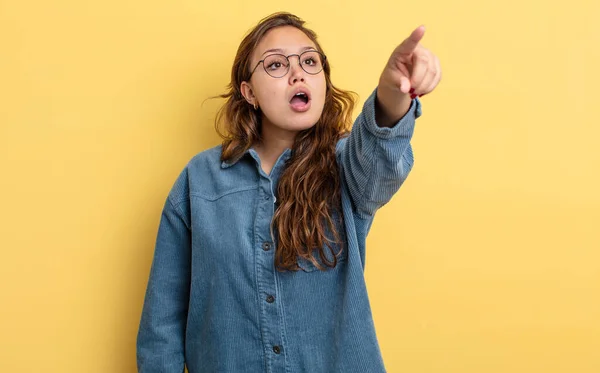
[300, 102]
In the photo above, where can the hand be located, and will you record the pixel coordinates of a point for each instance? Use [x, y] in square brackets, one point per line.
[411, 70]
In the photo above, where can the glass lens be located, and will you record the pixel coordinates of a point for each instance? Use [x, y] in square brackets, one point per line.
[311, 62]
[276, 65]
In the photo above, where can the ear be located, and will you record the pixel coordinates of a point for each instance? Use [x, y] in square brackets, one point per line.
[248, 93]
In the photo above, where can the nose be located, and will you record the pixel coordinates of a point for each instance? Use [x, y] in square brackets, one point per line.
[296, 72]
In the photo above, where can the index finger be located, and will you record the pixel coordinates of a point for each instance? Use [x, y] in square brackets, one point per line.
[410, 44]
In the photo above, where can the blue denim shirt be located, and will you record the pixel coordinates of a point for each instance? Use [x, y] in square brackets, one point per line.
[215, 301]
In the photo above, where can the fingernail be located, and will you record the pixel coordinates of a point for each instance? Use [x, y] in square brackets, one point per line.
[422, 95]
[412, 90]
[412, 97]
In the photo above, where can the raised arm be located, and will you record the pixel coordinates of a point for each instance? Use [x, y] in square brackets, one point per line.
[377, 156]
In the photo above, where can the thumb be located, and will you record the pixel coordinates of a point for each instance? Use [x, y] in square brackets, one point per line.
[405, 85]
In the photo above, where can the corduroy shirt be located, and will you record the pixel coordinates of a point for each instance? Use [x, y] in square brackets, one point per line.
[215, 301]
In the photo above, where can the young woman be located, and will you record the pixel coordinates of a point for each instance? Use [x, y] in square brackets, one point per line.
[260, 255]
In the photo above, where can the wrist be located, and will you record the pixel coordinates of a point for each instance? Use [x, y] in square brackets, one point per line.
[390, 105]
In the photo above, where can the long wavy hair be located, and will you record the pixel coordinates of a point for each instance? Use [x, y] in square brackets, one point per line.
[309, 190]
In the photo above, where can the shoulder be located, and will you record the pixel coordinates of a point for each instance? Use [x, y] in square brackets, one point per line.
[339, 146]
[195, 172]
[207, 177]
[206, 158]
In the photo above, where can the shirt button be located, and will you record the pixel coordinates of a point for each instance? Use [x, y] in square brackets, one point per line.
[270, 299]
[276, 349]
[266, 246]
[267, 197]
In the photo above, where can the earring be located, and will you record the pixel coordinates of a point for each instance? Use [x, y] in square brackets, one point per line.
[255, 106]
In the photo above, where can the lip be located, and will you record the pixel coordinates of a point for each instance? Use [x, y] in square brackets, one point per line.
[300, 108]
[300, 90]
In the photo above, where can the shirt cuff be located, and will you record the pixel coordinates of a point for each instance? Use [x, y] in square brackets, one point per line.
[404, 127]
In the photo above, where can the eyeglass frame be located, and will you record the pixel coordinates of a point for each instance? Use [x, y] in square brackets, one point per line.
[323, 60]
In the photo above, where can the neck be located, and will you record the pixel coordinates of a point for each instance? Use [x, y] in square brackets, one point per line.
[273, 143]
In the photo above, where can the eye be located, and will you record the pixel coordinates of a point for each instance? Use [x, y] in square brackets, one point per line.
[310, 61]
[274, 66]
[275, 62]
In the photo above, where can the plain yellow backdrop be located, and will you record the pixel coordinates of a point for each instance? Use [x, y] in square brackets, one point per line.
[487, 260]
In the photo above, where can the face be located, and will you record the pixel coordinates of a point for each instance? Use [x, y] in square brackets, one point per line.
[282, 112]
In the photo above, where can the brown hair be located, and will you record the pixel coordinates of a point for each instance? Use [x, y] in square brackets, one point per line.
[309, 190]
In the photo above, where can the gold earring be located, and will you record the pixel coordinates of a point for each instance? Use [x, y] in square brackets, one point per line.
[255, 106]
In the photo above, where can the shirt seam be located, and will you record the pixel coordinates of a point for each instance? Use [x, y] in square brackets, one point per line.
[178, 212]
[219, 196]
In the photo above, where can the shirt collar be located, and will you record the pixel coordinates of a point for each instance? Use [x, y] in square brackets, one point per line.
[283, 157]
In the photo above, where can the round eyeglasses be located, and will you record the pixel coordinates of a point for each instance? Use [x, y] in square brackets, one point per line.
[278, 65]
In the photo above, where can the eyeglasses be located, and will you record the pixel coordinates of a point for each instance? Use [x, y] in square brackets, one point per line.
[278, 65]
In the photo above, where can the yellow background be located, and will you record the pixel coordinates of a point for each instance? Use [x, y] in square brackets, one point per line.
[487, 260]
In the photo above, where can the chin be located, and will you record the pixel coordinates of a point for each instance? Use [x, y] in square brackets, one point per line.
[304, 121]
[301, 125]
[294, 122]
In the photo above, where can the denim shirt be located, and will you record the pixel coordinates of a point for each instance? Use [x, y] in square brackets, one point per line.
[215, 301]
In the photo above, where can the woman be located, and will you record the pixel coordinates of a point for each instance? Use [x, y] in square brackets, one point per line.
[260, 254]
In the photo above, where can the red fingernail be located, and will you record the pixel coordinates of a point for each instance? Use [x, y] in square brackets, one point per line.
[412, 90]
[422, 95]
[412, 97]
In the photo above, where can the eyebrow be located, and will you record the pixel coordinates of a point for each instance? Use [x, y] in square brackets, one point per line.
[279, 50]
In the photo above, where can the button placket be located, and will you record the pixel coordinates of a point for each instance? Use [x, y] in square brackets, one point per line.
[266, 275]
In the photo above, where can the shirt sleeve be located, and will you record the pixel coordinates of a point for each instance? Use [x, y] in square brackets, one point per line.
[375, 161]
[161, 335]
